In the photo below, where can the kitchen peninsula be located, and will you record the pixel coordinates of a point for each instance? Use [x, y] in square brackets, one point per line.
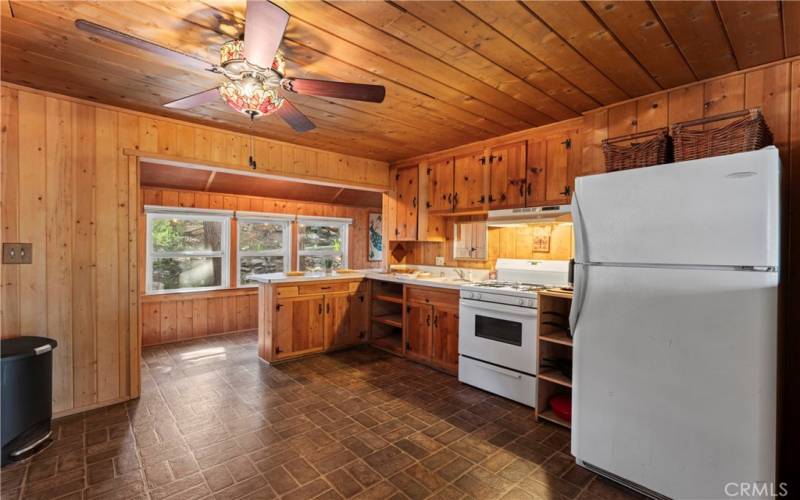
[412, 317]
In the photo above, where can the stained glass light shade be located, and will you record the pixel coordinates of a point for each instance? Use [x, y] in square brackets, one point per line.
[249, 89]
[250, 96]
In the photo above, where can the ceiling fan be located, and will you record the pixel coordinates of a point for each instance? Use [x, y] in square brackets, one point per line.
[253, 69]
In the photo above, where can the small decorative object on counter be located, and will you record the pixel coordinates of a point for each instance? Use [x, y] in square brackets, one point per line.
[748, 132]
[656, 149]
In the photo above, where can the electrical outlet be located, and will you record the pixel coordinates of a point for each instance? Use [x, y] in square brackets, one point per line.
[17, 253]
[439, 260]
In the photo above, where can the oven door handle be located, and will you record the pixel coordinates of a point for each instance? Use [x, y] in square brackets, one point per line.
[523, 312]
[507, 373]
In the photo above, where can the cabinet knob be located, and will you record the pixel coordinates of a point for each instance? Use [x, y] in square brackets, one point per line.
[566, 191]
[408, 346]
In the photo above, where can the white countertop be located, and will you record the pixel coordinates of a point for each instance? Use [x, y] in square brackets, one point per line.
[278, 278]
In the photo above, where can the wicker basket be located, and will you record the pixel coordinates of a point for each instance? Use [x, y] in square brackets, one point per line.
[748, 133]
[654, 151]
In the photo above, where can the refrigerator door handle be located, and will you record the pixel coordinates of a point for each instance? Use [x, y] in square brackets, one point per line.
[577, 298]
[577, 228]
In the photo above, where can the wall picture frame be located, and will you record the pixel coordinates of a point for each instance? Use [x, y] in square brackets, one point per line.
[375, 238]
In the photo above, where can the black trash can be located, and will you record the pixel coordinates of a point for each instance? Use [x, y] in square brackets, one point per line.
[27, 395]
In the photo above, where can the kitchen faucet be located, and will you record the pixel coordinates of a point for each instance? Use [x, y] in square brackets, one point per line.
[462, 275]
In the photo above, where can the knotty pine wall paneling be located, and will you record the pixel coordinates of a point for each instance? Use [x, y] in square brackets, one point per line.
[70, 187]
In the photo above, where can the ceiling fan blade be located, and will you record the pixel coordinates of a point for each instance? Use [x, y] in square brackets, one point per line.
[293, 116]
[341, 90]
[264, 25]
[194, 99]
[178, 57]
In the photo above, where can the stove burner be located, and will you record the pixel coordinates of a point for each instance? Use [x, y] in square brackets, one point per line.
[522, 287]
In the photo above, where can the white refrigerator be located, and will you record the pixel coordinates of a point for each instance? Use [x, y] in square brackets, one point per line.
[675, 324]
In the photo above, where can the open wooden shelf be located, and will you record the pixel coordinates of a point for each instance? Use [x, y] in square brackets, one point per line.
[560, 337]
[556, 377]
[553, 342]
[390, 319]
[392, 343]
[389, 298]
[550, 416]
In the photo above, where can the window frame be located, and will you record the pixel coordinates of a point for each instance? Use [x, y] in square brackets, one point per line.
[344, 223]
[285, 252]
[153, 213]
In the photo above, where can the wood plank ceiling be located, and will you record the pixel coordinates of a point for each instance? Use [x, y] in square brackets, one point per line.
[454, 72]
[172, 177]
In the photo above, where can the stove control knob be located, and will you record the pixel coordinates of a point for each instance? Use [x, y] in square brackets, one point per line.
[521, 302]
[477, 296]
[468, 295]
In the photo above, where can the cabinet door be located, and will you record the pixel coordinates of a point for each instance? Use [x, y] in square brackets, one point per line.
[359, 317]
[407, 184]
[444, 352]
[440, 186]
[298, 326]
[337, 320]
[507, 176]
[418, 331]
[469, 186]
[557, 188]
[535, 189]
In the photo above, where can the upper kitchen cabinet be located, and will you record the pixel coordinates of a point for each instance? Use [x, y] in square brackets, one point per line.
[439, 177]
[407, 185]
[551, 169]
[470, 186]
[507, 176]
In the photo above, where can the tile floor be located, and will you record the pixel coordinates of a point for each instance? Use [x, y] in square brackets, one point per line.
[214, 422]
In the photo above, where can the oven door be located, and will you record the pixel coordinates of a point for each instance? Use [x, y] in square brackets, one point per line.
[497, 333]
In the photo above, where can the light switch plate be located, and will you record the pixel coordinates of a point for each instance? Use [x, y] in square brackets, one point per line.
[17, 253]
[439, 260]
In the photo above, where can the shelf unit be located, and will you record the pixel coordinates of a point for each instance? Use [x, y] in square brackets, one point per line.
[554, 342]
[386, 314]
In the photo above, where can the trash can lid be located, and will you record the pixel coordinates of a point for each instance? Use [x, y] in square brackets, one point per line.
[20, 347]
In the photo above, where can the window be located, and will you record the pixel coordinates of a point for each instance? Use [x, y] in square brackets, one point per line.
[321, 243]
[264, 245]
[187, 250]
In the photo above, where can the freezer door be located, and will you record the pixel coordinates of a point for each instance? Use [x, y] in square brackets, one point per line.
[674, 377]
[720, 211]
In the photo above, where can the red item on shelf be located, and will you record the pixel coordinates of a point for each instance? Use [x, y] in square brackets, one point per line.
[562, 406]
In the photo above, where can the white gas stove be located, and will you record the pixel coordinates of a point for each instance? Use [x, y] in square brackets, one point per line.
[497, 327]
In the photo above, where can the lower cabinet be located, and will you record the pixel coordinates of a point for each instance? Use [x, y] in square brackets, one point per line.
[346, 319]
[431, 328]
[444, 345]
[299, 326]
[308, 318]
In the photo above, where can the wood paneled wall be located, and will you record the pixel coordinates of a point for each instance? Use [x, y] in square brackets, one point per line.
[183, 316]
[69, 187]
[503, 243]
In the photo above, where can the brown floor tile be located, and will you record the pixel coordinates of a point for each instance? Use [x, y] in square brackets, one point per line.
[352, 424]
[344, 483]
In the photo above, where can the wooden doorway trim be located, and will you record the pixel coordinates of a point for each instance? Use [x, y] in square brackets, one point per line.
[134, 302]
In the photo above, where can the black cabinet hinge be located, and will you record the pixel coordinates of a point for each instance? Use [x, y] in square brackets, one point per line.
[567, 144]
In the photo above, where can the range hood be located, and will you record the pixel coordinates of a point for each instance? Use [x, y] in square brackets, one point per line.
[529, 215]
